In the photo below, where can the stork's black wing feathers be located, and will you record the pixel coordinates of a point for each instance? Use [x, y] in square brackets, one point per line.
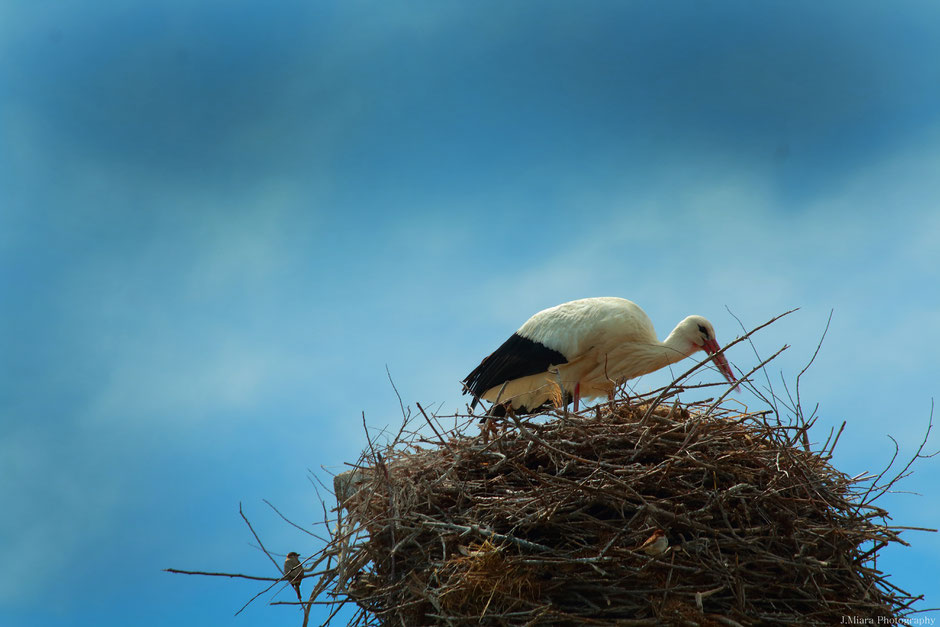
[517, 357]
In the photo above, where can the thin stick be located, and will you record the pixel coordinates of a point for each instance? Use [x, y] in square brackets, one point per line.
[753, 370]
[433, 428]
[685, 374]
[210, 574]
[273, 561]
[292, 523]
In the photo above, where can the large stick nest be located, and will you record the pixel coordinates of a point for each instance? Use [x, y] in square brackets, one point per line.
[543, 524]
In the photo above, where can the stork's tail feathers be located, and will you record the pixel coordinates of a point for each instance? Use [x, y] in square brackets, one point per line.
[517, 357]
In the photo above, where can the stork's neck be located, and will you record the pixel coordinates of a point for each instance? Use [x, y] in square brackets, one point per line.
[661, 354]
[678, 346]
[634, 359]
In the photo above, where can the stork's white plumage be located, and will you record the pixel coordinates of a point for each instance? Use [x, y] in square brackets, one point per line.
[586, 347]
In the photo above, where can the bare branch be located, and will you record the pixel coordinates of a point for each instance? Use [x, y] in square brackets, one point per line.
[273, 561]
[210, 574]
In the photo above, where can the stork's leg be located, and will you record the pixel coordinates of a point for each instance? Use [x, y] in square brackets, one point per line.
[577, 395]
[486, 424]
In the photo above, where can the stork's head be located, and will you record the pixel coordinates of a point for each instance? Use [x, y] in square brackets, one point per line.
[701, 335]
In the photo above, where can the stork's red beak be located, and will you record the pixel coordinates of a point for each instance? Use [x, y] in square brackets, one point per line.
[711, 347]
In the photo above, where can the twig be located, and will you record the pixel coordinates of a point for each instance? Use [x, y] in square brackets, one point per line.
[433, 428]
[685, 374]
[292, 523]
[260, 544]
[210, 574]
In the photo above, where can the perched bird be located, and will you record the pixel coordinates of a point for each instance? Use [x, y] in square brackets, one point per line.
[586, 348]
[656, 544]
[294, 571]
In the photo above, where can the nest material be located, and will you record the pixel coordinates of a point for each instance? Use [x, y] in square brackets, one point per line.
[544, 524]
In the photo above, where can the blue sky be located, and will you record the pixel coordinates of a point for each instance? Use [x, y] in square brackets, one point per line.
[221, 221]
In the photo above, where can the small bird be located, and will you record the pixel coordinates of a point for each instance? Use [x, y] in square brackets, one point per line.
[294, 571]
[587, 348]
[656, 544]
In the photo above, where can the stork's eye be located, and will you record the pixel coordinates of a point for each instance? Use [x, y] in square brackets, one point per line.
[703, 330]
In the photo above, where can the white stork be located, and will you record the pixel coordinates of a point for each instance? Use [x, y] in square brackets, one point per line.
[586, 347]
